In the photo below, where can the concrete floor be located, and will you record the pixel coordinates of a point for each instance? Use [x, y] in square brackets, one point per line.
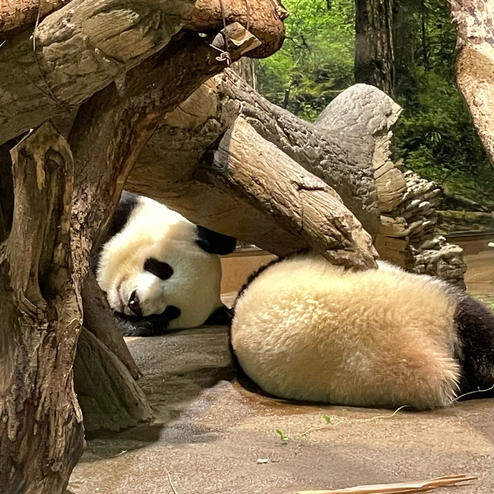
[211, 432]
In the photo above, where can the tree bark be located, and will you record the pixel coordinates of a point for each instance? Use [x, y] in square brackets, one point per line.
[18, 14]
[475, 63]
[247, 164]
[374, 59]
[99, 320]
[342, 158]
[77, 51]
[110, 398]
[43, 274]
[40, 318]
[85, 45]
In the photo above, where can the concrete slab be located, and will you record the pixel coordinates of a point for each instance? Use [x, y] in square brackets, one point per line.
[211, 433]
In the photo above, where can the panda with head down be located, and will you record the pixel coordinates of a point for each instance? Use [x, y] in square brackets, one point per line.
[159, 270]
[307, 330]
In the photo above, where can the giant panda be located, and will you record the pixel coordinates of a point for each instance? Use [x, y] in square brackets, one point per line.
[307, 330]
[160, 271]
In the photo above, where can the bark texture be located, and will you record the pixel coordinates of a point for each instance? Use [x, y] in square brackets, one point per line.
[85, 45]
[76, 51]
[167, 166]
[474, 21]
[109, 396]
[374, 59]
[250, 166]
[40, 318]
[15, 14]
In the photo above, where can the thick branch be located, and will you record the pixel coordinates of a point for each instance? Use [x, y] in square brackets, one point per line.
[111, 129]
[298, 201]
[77, 51]
[342, 159]
[83, 46]
[22, 13]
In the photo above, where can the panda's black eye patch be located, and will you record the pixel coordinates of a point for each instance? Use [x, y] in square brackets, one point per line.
[159, 268]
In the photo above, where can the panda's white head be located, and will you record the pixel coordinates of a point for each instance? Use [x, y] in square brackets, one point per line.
[157, 263]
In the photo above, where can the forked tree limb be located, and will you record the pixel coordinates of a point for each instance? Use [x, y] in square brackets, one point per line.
[83, 46]
[106, 137]
[111, 129]
[342, 159]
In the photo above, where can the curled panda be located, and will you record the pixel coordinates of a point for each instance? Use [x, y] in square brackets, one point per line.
[159, 270]
[307, 330]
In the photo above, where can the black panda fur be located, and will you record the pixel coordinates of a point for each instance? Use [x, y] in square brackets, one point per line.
[160, 271]
[307, 330]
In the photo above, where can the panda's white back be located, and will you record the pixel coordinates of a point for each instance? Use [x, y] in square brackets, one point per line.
[307, 330]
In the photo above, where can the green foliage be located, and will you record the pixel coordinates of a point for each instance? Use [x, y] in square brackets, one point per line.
[326, 418]
[316, 61]
[435, 134]
[283, 436]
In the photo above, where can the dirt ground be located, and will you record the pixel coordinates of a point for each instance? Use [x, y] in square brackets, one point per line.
[214, 436]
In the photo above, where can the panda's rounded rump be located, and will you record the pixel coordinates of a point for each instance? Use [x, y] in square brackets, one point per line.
[308, 330]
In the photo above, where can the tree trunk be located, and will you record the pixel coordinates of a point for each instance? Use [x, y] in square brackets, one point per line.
[404, 26]
[40, 318]
[374, 58]
[475, 63]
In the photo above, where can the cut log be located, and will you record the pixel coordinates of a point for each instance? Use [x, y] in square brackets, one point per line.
[256, 169]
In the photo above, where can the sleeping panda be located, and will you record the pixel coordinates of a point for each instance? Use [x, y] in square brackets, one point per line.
[307, 330]
[159, 270]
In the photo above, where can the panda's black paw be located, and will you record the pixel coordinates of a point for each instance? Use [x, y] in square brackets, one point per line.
[132, 326]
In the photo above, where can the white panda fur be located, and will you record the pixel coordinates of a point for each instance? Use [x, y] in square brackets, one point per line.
[308, 330]
[150, 230]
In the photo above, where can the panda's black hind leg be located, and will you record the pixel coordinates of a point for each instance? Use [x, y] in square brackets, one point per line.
[475, 325]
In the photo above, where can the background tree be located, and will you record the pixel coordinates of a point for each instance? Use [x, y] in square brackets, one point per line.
[434, 135]
[374, 47]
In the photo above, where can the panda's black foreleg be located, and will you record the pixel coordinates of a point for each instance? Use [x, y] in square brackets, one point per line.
[153, 325]
[475, 325]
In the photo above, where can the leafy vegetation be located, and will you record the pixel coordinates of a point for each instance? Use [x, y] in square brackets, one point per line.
[316, 61]
[434, 135]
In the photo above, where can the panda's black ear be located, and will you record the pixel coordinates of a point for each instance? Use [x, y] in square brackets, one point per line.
[213, 242]
[126, 205]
